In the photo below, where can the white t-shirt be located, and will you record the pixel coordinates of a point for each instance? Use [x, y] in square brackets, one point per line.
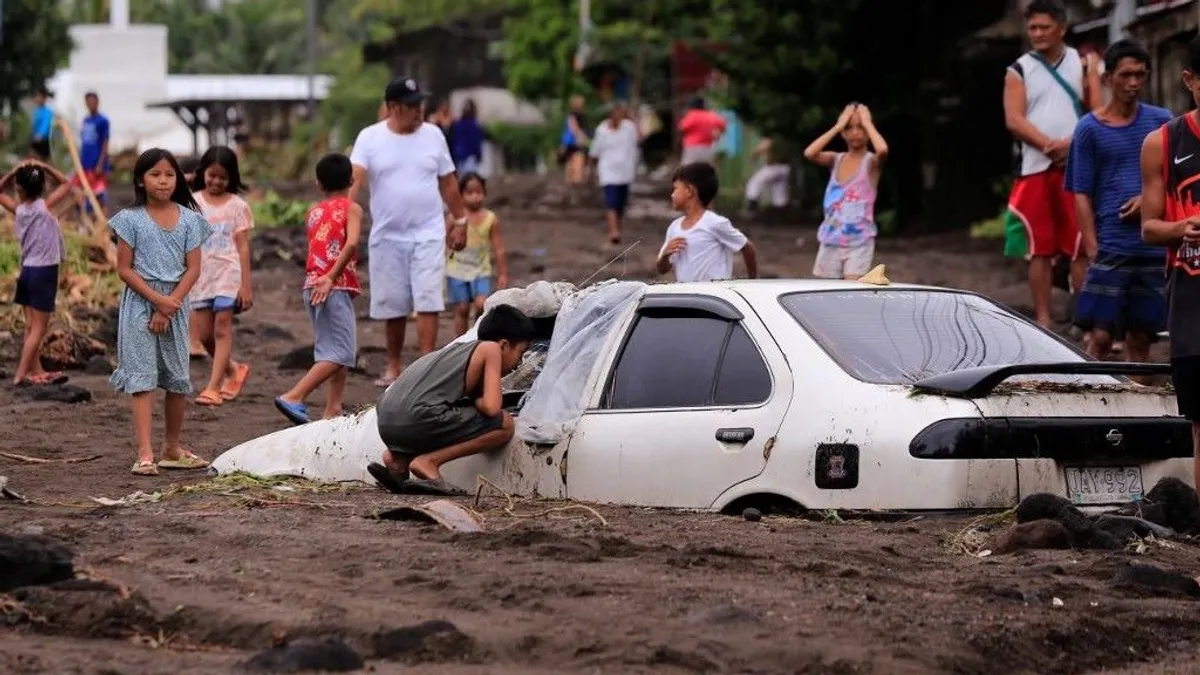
[616, 151]
[403, 172]
[711, 243]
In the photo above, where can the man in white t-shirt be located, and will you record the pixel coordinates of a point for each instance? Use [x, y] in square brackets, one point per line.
[700, 245]
[615, 149]
[407, 164]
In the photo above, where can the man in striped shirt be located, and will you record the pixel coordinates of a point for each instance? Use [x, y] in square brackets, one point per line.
[1046, 91]
[1124, 286]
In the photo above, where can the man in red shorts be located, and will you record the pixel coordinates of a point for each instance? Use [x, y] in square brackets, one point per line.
[1046, 91]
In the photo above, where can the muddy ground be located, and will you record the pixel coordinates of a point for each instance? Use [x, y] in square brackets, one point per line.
[201, 579]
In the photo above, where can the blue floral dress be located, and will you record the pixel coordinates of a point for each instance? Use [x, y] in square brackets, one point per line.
[146, 361]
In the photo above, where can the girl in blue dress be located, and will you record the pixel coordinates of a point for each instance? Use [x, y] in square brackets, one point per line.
[158, 258]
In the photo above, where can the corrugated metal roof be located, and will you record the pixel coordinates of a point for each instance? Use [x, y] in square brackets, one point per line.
[243, 88]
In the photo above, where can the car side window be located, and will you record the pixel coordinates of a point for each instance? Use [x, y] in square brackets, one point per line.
[744, 377]
[687, 360]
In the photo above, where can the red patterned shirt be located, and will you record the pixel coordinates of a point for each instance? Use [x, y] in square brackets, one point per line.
[326, 225]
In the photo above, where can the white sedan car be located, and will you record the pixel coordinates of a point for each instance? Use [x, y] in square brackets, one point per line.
[820, 394]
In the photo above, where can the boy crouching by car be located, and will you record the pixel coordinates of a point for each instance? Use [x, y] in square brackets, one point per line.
[448, 404]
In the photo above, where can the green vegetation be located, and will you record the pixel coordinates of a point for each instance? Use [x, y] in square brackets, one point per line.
[35, 44]
[275, 211]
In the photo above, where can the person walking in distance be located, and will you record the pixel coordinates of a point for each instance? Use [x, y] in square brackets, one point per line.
[773, 175]
[407, 163]
[1046, 91]
[573, 145]
[93, 151]
[43, 126]
[1123, 289]
[616, 147]
[466, 139]
[701, 129]
[1171, 218]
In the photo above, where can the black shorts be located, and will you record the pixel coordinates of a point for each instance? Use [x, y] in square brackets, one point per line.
[565, 152]
[458, 425]
[1185, 376]
[41, 148]
[37, 288]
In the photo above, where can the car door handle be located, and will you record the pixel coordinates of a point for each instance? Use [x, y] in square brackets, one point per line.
[735, 435]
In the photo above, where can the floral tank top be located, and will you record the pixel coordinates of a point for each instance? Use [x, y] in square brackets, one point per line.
[475, 260]
[849, 207]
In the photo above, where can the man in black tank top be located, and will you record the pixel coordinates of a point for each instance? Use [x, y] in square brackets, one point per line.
[1171, 218]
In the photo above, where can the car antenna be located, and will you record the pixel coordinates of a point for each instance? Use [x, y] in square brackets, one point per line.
[606, 265]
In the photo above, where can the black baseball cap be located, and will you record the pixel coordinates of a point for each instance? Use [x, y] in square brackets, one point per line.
[404, 90]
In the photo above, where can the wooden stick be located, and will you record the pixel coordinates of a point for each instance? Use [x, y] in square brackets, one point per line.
[38, 460]
[68, 135]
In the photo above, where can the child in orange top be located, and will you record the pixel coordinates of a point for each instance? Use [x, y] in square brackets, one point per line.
[330, 286]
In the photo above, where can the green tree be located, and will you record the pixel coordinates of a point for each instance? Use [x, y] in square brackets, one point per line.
[35, 44]
[786, 62]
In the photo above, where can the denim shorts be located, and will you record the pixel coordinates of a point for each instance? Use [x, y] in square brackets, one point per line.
[334, 328]
[462, 292]
[221, 303]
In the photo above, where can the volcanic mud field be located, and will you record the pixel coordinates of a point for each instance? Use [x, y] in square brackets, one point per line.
[204, 576]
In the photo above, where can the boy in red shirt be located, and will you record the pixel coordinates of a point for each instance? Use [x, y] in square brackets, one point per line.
[330, 286]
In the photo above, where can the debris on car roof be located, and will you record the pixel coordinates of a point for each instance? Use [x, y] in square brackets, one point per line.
[876, 277]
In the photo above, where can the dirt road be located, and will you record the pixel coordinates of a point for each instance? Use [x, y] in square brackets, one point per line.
[208, 574]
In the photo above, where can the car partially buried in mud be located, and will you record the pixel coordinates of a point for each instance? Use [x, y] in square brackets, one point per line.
[818, 394]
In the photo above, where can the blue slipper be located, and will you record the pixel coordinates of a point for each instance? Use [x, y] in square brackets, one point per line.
[297, 413]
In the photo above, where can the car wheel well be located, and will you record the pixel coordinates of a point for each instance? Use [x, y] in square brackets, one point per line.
[767, 503]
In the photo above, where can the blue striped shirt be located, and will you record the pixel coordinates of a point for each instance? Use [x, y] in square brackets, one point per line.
[1105, 164]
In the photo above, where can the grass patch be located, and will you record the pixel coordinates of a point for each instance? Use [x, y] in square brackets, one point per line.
[992, 228]
[80, 284]
[273, 211]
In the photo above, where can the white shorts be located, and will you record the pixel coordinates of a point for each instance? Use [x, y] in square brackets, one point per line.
[698, 153]
[838, 262]
[406, 276]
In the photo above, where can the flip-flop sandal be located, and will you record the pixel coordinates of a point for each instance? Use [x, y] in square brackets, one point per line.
[188, 460]
[232, 387]
[209, 398]
[48, 378]
[297, 413]
[386, 479]
[145, 469]
[424, 486]
[384, 382]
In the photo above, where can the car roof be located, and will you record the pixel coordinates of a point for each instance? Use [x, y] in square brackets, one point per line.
[775, 287]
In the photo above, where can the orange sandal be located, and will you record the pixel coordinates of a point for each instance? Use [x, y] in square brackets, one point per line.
[209, 397]
[231, 387]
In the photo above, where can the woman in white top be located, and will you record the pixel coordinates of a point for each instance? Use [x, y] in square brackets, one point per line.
[615, 147]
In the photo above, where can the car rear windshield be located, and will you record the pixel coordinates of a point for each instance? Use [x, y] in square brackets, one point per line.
[901, 336]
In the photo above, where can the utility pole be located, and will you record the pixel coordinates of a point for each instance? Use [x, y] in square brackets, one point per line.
[585, 34]
[312, 59]
[1123, 13]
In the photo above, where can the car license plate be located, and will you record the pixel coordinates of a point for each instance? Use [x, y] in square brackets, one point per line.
[1104, 484]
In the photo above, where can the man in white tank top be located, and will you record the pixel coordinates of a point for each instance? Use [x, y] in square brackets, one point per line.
[1046, 91]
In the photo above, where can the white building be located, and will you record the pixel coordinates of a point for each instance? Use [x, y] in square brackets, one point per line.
[126, 66]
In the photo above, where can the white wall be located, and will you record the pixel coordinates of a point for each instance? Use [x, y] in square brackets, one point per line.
[127, 68]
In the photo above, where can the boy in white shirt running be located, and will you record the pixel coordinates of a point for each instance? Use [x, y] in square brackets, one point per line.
[700, 245]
